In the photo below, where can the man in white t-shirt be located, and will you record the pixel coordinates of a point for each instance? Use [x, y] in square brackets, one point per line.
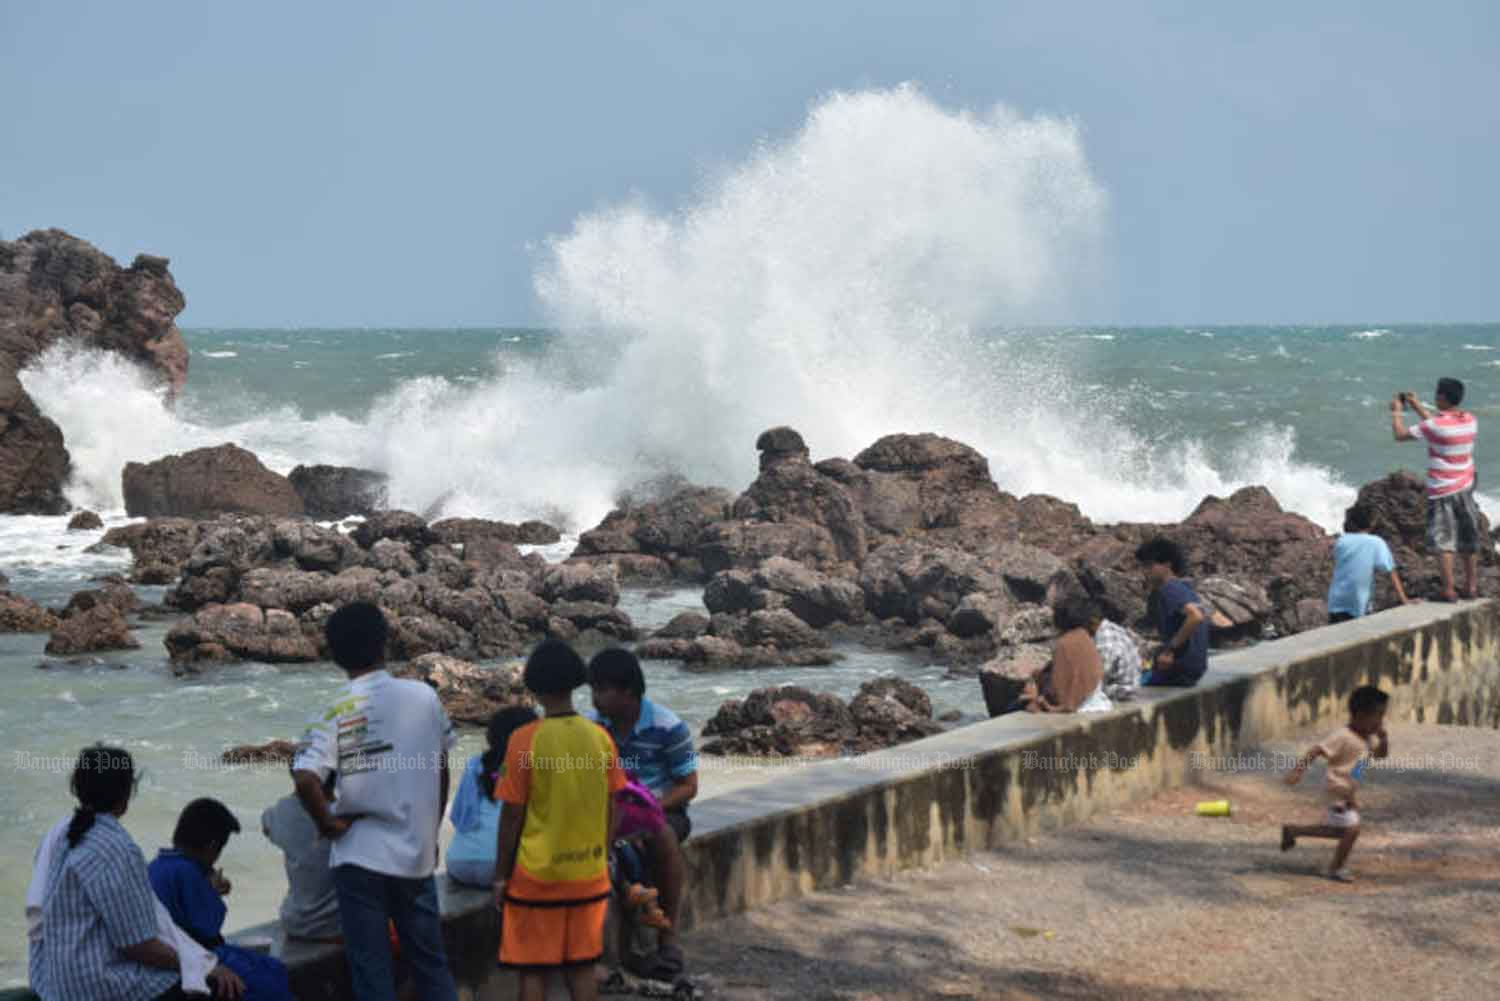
[387, 740]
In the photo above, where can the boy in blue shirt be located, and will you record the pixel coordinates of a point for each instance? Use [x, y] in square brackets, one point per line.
[1181, 620]
[1357, 557]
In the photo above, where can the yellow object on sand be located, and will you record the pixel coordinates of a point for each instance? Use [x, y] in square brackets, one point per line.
[1213, 808]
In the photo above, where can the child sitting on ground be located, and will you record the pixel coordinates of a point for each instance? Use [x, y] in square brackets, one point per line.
[1346, 751]
[192, 890]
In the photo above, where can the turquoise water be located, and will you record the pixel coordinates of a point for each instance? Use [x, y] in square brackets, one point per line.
[1136, 423]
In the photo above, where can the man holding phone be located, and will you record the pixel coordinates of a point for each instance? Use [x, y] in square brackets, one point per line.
[1452, 514]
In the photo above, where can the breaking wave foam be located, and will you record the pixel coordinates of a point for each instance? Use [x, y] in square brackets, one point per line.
[842, 281]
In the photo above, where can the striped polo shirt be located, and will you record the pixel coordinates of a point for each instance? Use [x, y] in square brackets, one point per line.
[659, 749]
[1450, 451]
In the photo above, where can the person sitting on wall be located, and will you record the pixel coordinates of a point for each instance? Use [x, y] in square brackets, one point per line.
[1181, 617]
[1357, 557]
[1075, 682]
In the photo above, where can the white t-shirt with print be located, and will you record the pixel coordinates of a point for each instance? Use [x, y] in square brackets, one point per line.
[385, 738]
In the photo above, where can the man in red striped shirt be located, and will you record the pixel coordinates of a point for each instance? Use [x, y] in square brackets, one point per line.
[1452, 515]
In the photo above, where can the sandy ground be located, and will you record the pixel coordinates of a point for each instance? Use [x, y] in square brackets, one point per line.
[1156, 902]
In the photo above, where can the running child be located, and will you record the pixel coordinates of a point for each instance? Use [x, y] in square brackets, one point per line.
[1347, 751]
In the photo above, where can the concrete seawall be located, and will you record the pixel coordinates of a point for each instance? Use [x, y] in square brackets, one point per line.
[832, 822]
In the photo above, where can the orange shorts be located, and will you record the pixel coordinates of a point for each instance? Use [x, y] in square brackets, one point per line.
[552, 934]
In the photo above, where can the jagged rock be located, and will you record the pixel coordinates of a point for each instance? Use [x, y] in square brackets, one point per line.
[746, 545]
[114, 592]
[890, 711]
[1243, 607]
[330, 493]
[414, 635]
[927, 482]
[790, 721]
[684, 625]
[913, 581]
[523, 608]
[730, 591]
[313, 547]
[272, 752]
[207, 482]
[85, 521]
[159, 547]
[34, 462]
[225, 552]
[238, 631]
[790, 490]
[400, 526]
[463, 531]
[295, 591]
[1033, 624]
[488, 553]
[101, 627]
[441, 562]
[980, 614]
[581, 582]
[815, 598]
[22, 615]
[56, 288]
[780, 444]
[389, 554]
[642, 536]
[471, 694]
[604, 619]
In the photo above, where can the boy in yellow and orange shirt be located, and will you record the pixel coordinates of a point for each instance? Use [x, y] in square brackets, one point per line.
[552, 856]
[1346, 751]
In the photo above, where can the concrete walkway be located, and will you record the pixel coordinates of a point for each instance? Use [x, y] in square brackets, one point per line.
[1154, 902]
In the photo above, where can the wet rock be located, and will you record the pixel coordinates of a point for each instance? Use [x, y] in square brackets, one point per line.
[399, 526]
[790, 491]
[889, 711]
[746, 545]
[238, 631]
[914, 580]
[815, 598]
[780, 444]
[581, 582]
[603, 619]
[293, 590]
[927, 482]
[85, 521]
[665, 528]
[331, 493]
[22, 615]
[684, 625]
[470, 694]
[487, 553]
[313, 547]
[207, 482]
[100, 627]
[416, 634]
[789, 720]
[1243, 607]
[159, 547]
[389, 554]
[34, 462]
[113, 592]
[467, 530]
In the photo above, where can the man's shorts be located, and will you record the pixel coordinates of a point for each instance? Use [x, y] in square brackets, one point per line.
[1342, 815]
[551, 935]
[1453, 523]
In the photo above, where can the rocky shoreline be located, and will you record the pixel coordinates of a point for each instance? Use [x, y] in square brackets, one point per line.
[910, 545]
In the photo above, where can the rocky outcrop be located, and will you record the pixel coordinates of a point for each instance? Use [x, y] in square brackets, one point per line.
[112, 591]
[239, 631]
[207, 482]
[99, 627]
[85, 521]
[656, 538]
[19, 614]
[55, 288]
[34, 463]
[817, 599]
[331, 493]
[465, 531]
[791, 721]
[470, 694]
[1243, 608]
[159, 547]
[1002, 679]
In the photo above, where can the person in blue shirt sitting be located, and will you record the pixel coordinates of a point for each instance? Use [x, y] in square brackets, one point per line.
[1181, 619]
[193, 892]
[476, 812]
[1357, 557]
[656, 748]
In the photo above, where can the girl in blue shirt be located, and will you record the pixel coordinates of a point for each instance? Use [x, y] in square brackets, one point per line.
[476, 813]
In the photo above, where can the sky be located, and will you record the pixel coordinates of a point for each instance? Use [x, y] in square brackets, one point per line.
[400, 164]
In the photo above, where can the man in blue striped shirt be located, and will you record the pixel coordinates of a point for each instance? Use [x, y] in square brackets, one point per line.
[656, 747]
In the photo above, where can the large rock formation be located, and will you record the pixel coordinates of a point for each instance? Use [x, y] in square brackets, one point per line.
[206, 482]
[330, 493]
[471, 694]
[57, 288]
[791, 721]
[100, 627]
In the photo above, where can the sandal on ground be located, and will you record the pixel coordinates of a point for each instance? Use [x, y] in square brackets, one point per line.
[616, 983]
[1341, 876]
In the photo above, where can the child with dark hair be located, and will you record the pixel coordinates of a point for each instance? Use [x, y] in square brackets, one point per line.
[1181, 619]
[551, 872]
[476, 812]
[1357, 557]
[310, 909]
[192, 890]
[1346, 751]
[387, 741]
[99, 930]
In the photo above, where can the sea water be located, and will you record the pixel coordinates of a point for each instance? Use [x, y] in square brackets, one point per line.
[859, 278]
